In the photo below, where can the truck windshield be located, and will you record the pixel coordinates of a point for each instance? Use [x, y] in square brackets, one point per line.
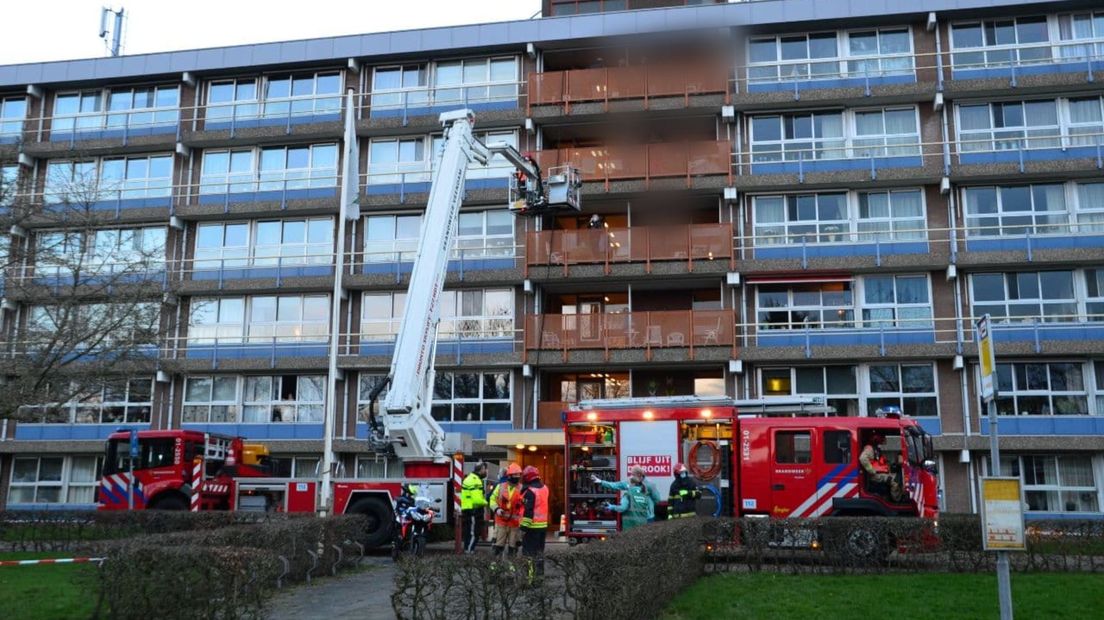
[153, 453]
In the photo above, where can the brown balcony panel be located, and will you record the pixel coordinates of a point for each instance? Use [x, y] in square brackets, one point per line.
[550, 413]
[630, 245]
[687, 329]
[652, 161]
[622, 83]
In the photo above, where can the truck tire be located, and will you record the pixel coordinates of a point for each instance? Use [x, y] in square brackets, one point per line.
[377, 532]
[169, 502]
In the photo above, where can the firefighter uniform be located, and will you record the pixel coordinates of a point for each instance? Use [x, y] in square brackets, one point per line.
[683, 498]
[877, 471]
[534, 518]
[507, 505]
[472, 505]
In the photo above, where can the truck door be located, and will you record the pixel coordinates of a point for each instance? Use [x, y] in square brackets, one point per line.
[837, 472]
[793, 486]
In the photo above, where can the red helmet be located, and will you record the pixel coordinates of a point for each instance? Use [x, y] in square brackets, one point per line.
[680, 468]
[530, 474]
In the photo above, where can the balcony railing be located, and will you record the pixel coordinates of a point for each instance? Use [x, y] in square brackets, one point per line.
[413, 100]
[643, 244]
[621, 83]
[681, 329]
[648, 162]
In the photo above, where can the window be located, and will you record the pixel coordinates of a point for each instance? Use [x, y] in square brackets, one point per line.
[798, 306]
[271, 318]
[264, 243]
[1084, 29]
[109, 250]
[793, 447]
[1094, 300]
[1000, 43]
[465, 314]
[1099, 376]
[112, 402]
[13, 111]
[113, 178]
[130, 324]
[809, 136]
[472, 397]
[837, 447]
[54, 479]
[480, 234]
[454, 82]
[836, 385]
[1041, 388]
[1016, 125]
[1055, 483]
[232, 99]
[269, 168]
[828, 55]
[262, 399]
[897, 215]
[896, 301]
[9, 184]
[131, 108]
[407, 160]
[1016, 210]
[376, 466]
[305, 466]
[1025, 296]
[839, 217]
[302, 94]
[911, 387]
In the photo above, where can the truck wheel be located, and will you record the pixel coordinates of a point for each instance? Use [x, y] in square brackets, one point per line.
[169, 502]
[378, 529]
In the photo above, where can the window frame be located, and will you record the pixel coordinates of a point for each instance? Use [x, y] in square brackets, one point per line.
[429, 93]
[220, 257]
[405, 249]
[1013, 394]
[1015, 465]
[243, 333]
[1039, 303]
[1064, 133]
[65, 484]
[843, 59]
[103, 117]
[831, 148]
[236, 409]
[258, 179]
[454, 322]
[11, 124]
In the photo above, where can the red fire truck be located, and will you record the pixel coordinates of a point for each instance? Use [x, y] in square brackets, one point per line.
[782, 458]
[181, 470]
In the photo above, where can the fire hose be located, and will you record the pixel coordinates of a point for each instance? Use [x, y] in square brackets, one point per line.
[714, 468]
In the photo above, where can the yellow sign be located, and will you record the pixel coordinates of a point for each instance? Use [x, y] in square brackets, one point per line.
[988, 362]
[1002, 515]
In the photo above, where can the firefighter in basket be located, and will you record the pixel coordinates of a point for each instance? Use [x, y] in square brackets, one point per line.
[684, 495]
[877, 470]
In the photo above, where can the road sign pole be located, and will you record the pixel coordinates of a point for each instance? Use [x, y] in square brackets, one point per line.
[987, 357]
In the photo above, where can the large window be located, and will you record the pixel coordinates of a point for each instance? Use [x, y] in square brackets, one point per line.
[254, 399]
[1094, 296]
[808, 136]
[902, 301]
[269, 168]
[410, 160]
[1025, 296]
[54, 479]
[275, 96]
[13, 111]
[999, 43]
[911, 387]
[9, 184]
[222, 245]
[111, 178]
[859, 390]
[118, 401]
[837, 386]
[1016, 125]
[1055, 483]
[458, 396]
[129, 108]
[839, 217]
[260, 319]
[465, 314]
[1016, 210]
[828, 55]
[453, 82]
[108, 250]
[1082, 36]
[1041, 388]
[480, 234]
[130, 324]
[896, 301]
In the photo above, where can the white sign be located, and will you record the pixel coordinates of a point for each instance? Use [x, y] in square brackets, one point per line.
[1002, 519]
[653, 445]
[988, 358]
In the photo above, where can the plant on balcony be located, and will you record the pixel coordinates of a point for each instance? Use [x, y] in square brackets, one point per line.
[94, 316]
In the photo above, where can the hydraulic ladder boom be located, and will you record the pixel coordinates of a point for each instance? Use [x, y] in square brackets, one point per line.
[405, 423]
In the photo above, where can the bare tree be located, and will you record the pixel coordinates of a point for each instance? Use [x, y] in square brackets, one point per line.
[88, 293]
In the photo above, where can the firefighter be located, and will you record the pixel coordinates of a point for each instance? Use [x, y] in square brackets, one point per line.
[636, 506]
[506, 504]
[875, 467]
[472, 504]
[407, 495]
[683, 498]
[534, 518]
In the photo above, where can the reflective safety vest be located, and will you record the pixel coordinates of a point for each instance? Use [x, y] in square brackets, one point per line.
[538, 519]
[471, 493]
[507, 497]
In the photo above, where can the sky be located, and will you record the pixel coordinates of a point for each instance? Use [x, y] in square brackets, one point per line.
[166, 25]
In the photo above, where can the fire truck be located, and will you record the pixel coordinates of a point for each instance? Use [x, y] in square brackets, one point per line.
[781, 458]
[178, 469]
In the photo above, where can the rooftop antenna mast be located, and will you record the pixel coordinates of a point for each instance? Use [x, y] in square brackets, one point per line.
[116, 28]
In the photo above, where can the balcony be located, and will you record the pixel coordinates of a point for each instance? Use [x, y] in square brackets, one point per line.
[610, 165]
[407, 102]
[610, 246]
[1016, 61]
[648, 331]
[621, 84]
[866, 72]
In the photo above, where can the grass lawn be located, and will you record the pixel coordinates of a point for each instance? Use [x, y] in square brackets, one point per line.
[914, 596]
[47, 591]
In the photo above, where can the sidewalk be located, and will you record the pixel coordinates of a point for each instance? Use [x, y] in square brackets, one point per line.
[365, 595]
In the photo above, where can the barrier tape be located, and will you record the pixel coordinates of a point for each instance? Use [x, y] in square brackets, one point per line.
[51, 561]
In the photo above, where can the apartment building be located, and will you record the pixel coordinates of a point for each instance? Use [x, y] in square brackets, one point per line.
[793, 199]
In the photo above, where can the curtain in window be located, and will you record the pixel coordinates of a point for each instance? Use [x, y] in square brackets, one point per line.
[1090, 205]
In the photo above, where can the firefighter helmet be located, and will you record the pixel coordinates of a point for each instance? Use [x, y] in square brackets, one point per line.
[680, 469]
[530, 474]
[513, 470]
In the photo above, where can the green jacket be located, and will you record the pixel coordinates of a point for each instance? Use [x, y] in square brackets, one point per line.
[636, 508]
[651, 494]
[471, 494]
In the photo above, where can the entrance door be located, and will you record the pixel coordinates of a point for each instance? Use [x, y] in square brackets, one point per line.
[793, 485]
[590, 320]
